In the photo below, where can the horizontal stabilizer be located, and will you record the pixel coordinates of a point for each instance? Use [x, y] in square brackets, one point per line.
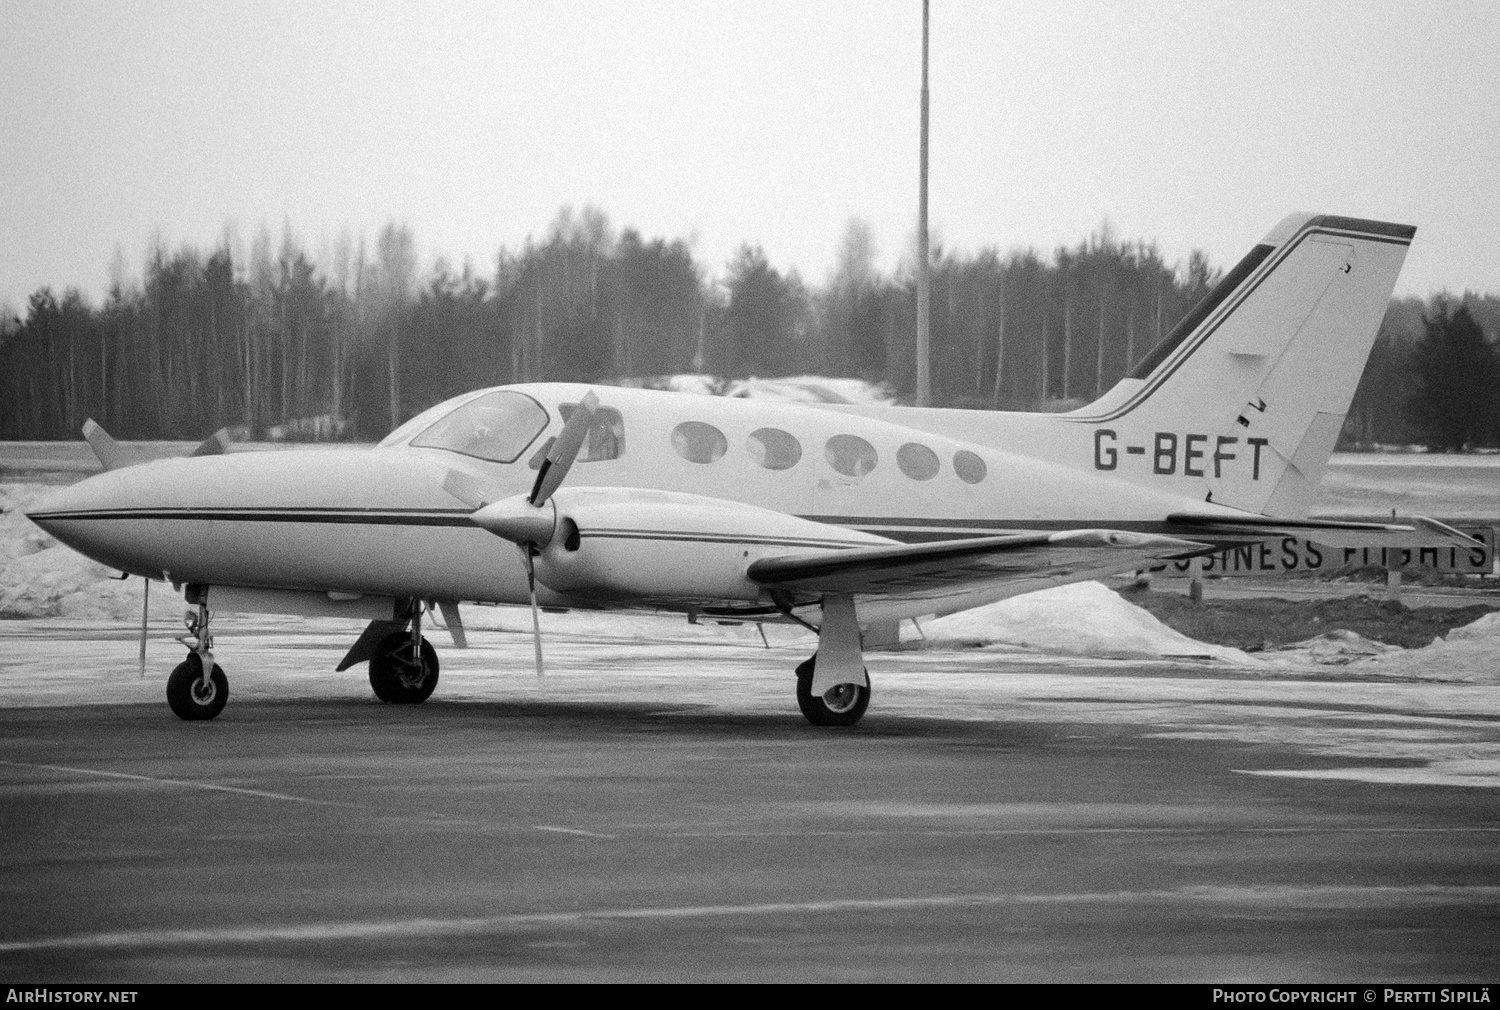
[1417, 532]
[105, 448]
[216, 444]
[942, 567]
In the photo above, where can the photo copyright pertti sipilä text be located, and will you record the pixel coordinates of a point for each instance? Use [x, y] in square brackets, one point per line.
[1399, 994]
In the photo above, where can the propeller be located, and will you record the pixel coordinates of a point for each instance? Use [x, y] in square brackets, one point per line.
[559, 458]
[529, 521]
[145, 612]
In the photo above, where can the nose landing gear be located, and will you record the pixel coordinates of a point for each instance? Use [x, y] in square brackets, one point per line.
[197, 688]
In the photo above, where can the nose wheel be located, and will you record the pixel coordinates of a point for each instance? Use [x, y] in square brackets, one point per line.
[192, 696]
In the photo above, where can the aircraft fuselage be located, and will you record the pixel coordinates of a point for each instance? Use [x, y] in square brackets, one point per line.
[378, 522]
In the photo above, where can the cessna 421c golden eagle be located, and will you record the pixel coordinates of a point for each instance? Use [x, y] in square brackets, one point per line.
[845, 519]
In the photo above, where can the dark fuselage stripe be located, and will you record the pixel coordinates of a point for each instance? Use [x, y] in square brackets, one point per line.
[459, 517]
[710, 538]
[900, 528]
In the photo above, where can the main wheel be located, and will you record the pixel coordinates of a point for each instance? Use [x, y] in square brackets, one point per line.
[840, 706]
[398, 676]
[189, 696]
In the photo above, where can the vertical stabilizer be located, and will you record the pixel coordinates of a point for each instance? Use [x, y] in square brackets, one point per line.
[1246, 397]
[106, 449]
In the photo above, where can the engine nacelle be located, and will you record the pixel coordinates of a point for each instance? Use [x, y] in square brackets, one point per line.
[629, 543]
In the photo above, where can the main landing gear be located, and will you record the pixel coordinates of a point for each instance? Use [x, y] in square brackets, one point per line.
[840, 705]
[197, 688]
[403, 664]
[839, 695]
[404, 669]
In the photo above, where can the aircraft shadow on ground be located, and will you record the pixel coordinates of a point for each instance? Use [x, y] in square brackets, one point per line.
[658, 718]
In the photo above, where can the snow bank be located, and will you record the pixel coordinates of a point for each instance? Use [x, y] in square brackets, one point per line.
[19, 536]
[41, 578]
[1336, 648]
[795, 388]
[811, 389]
[1470, 655]
[1082, 619]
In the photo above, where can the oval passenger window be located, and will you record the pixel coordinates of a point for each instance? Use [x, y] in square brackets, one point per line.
[697, 442]
[773, 448]
[850, 455]
[969, 467]
[917, 461]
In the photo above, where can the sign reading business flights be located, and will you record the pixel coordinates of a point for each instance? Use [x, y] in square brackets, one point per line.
[1294, 554]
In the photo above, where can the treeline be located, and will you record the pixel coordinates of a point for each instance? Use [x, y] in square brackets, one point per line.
[1433, 377]
[353, 343]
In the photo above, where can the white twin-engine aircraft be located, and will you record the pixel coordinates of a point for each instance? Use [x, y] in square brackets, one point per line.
[844, 519]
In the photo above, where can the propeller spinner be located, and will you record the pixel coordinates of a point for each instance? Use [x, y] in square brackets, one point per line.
[529, 521]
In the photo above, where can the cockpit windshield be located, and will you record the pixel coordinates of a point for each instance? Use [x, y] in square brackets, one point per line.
[497, 426]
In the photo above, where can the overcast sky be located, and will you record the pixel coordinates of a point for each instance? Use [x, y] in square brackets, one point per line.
[1196, 125]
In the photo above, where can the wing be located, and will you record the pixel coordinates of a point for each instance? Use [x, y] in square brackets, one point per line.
[1226, 530]
[949, 567]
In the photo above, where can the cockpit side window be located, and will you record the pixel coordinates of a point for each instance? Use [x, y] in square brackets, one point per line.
[497, 427]
[606, 437]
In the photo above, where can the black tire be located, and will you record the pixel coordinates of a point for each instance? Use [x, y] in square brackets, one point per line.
[842, 706]
[189, 697]
[395, 676]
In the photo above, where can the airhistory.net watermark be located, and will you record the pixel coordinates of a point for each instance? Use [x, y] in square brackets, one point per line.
[43, 995]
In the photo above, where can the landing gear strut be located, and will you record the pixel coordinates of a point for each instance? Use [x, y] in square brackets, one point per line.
[841, 705]
[404, 668]
[197, 688]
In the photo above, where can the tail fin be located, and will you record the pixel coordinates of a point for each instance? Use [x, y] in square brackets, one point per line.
[106, 449]
[1249, 391]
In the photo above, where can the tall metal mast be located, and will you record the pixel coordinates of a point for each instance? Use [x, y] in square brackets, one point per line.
[924, 378]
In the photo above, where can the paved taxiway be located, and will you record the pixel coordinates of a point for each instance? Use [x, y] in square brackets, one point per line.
[660, 811]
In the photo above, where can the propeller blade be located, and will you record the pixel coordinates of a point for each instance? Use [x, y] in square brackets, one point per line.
[549, 476]
[145, 609]
[536, 621]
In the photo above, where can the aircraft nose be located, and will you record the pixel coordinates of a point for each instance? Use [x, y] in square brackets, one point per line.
[92, 517]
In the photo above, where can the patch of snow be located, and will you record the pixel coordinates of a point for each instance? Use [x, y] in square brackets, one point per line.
[1336, 648]
[20, 536]
[39, 577]
[1470, 654]
[1081, 619]
[811, 389]
[794, 388]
